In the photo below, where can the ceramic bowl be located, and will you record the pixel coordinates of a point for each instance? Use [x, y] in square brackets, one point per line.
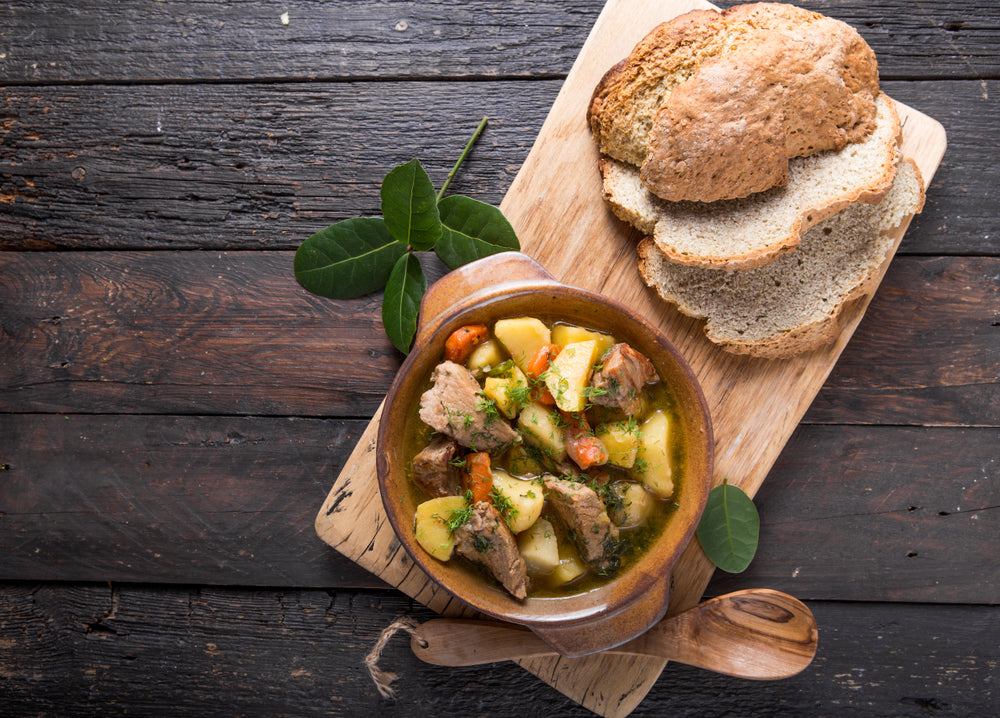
[511, 284]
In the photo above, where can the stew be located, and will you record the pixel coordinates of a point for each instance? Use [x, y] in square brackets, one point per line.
[546, 454]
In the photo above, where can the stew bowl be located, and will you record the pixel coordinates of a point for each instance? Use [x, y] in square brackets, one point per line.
[508, 285]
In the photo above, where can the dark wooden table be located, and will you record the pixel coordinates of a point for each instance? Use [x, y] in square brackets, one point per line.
[175, 408]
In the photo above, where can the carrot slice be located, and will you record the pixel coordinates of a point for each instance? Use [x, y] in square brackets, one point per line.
[538, 365]
[581, 445]
[478, 477]
[460, 343]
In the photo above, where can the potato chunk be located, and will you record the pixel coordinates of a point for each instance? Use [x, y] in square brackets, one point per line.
[633, 504]
[522, 337]
[539, 547]
[521, 462]
[485, 356]
[563, 334]
[570, 565]
[569, 374]
[621, 439]
[431, 525]
[541, 428]
[652, 464]
[510, 392]
[523, 499]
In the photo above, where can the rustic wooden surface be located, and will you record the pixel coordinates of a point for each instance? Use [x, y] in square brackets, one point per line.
[175, 408]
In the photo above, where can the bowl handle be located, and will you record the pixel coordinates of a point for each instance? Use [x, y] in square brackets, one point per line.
[587, 637]
[475, 282]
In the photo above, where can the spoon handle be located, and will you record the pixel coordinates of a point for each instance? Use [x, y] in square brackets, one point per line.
[757, 633]
[468, 642]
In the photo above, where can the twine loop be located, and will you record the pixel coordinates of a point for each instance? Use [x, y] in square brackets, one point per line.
[383, 679]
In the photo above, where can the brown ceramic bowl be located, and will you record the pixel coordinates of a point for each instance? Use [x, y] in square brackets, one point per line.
[511, 284]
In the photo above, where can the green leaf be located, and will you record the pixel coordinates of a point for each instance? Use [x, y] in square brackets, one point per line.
[729, 528]
[409, 206]
[472, 230]
[401, 302]
[347, 259]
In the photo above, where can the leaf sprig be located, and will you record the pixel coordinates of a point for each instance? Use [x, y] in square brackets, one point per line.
[362, 255]
[729, 528]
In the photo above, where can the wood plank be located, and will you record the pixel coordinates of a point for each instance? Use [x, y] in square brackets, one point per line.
[229, 501]
[171, 332]
[211, 500]
[240, 166]
[265, 165]
[145, 40]
[904, 364]
[957, 216]
[885, 509]
[77, 650]
[184, 332]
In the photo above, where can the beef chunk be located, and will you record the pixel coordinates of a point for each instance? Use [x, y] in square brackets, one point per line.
[594, 475]
[433, 470]
[582, 511]
[622, 375]
[485, 539]
[454, 406]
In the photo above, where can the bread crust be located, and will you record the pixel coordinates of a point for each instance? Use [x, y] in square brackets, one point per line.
[612, 111]
[742, 234]
[712, 105]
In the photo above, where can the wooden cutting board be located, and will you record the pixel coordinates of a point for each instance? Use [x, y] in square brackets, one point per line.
[555, 206]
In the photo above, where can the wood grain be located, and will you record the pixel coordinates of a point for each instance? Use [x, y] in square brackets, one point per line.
[240, 166]
[887, 376]
[263, 166]
[229, 501]
[904, 496]
[755, 404]
[80, 650]
[167, 332]
[758, 634]
[200, 40]
[191, 332]
[213, 500]
[192, 40]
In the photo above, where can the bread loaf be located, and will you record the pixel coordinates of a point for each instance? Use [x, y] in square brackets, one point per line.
[711, 105]
[793, 304]
[753, 231]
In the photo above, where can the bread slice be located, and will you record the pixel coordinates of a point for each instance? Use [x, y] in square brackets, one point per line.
[794, 304]
[740, 234]
[711, 105]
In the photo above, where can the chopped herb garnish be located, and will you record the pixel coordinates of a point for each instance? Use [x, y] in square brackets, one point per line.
[489, 407]
[612, 500]
[481, 543]
[504, 506]
[519, 395]
[459, 517]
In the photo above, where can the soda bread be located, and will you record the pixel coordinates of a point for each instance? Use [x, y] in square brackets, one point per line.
[793, 304]
[711, 105]
[752, 231]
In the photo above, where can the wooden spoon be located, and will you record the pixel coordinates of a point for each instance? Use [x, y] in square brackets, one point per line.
[756, 633]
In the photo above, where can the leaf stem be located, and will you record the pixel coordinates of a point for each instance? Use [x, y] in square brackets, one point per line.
[461, 159]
